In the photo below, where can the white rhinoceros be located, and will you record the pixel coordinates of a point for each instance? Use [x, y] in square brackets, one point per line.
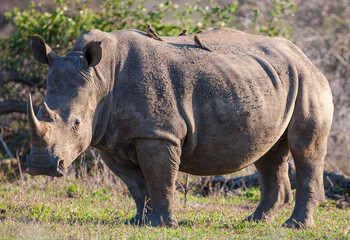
[155, 107]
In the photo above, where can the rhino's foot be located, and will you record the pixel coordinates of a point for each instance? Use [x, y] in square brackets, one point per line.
[141, 217]
[304, 223]
[250, 218]
[152, 220]
[158, 220]
[268, 218]
[271, 203]
[137, 220]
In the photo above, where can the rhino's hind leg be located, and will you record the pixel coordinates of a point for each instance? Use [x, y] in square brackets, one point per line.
[309, 159]
[136, 183]
[307, 139]
[159, 161]
[274, 182]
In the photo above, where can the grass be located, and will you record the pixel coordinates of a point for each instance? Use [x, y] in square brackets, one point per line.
[97, 207]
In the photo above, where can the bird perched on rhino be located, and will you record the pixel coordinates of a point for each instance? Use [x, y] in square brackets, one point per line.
[152, 33]
[183, 33]
[199, 43]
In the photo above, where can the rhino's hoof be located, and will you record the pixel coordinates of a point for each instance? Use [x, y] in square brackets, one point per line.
[292, 223]
[250, 218]
[157, 221]
[152, 221]
[259, 218]
[173, 224]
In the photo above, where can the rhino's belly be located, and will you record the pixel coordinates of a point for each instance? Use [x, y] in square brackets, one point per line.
[221, 158]
[223, 149]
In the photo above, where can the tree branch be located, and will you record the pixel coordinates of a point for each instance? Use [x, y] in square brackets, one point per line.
[14, 77]
[10, 106]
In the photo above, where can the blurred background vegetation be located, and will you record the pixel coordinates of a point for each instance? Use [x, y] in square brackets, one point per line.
[321, 28]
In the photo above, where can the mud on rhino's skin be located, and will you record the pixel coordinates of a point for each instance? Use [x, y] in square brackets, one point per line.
[156, 107]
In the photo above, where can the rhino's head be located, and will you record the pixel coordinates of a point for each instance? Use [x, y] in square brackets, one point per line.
[64, 126]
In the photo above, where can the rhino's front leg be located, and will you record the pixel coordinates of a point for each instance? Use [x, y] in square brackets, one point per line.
[159, 161]
[133, 178]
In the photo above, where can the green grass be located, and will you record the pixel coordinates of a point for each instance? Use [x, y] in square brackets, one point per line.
[39, 208]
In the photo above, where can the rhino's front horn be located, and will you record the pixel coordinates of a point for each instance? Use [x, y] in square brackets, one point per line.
[37, 128]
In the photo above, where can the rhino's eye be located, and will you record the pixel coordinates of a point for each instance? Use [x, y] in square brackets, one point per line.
[76, 125]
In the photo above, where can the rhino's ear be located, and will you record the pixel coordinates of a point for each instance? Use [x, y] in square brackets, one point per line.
[41, 51]
[92, 54]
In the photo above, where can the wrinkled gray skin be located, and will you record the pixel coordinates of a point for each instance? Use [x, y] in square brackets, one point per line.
[155, 107]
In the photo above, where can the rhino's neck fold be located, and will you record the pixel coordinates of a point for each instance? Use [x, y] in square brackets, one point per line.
[103, 108]
[106, 74]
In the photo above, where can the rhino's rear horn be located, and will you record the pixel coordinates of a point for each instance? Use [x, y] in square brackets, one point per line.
[46, 112]
[37, 128]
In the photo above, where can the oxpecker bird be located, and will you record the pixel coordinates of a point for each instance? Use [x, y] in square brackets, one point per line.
[184, 33]
[199, 43]
[152, 33]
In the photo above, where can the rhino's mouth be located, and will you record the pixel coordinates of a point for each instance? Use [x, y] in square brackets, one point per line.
[54, 171]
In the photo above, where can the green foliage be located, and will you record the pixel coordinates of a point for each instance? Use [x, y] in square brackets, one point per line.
[59, 29]
[8, 167]
[208, 16]
[274, 26]
[68, 20]
[252, 194]
[71, 188]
